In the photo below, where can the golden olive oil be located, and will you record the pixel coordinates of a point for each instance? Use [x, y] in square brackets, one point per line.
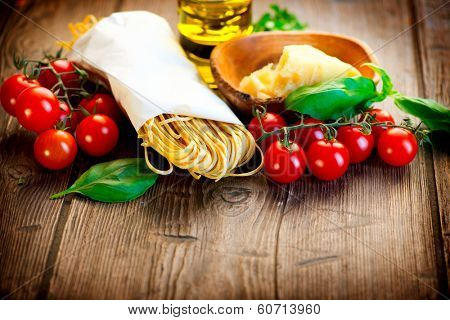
[205, 23]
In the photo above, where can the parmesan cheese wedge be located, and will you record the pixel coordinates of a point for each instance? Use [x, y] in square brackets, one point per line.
[299, 65]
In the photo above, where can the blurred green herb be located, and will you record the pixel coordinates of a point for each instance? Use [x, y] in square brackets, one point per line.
[278, 19]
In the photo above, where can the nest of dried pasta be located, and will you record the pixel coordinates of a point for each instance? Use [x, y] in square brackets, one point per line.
[203, 147]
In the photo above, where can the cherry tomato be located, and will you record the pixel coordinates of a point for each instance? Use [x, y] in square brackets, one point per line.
[271, 122]
[284, 164]
[327, 160]
[55, 149]
[397, 147]
[10, 90]
[102, 103]
[75, 119]
[72, 118]
[64, 110]
[71, 80]
[37, 109]
[97, 135]
[307, 136]
[359, 145]
[380, 115]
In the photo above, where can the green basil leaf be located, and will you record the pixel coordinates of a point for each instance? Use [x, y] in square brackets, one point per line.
[334, 99]
[434, 115]
[387, 87]
[115, 181]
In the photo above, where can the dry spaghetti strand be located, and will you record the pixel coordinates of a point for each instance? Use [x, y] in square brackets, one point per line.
[77, 29]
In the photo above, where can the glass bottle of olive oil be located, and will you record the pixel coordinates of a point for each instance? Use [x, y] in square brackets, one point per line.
[205, 23]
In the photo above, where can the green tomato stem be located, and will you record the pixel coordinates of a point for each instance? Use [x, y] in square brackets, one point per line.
[329, 129]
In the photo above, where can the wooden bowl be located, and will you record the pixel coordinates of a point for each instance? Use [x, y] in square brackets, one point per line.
[233, 60]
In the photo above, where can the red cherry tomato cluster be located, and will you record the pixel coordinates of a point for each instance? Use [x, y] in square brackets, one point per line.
[38, 109]
[328, 159]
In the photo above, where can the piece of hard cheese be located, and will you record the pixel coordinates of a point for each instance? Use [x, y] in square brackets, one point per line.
[299, 65]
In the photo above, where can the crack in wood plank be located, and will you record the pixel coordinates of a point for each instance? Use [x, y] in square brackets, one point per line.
[179, 237]
[317, 260]
[30, 228]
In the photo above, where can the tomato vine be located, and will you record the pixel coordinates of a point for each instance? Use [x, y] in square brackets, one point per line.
[329, 128]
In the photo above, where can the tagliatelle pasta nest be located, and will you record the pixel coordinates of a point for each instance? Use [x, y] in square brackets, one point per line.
[203, 147]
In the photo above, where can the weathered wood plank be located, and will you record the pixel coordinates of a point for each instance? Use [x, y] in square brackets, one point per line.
[336, 246]
[183, 239]
[370, 234]
[28, 219]
[434, 53]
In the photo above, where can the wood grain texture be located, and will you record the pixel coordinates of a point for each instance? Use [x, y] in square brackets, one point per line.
[29, 221]
[367, 234]
[433, 36]
[183, 239]
[371, 234]
[177, 241]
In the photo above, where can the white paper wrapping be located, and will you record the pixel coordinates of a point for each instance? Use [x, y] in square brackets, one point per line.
[147, 70]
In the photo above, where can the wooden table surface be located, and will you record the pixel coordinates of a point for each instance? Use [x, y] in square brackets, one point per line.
[379, 232]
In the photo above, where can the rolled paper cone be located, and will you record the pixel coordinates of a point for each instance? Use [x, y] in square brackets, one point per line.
[139, 56]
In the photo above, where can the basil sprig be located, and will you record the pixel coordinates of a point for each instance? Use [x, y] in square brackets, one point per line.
[347, 97]
[387, 88]
[434, 115]
[332, 100]
[115, 181]
[279, 19]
